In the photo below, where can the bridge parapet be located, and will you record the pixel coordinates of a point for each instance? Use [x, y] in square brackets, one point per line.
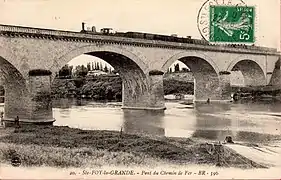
[30, 32]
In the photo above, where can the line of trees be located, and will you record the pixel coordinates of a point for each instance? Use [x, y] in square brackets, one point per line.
[82, 70]
[177, 69]
[98, 66]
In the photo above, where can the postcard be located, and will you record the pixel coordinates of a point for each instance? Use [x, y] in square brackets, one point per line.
[139, 89]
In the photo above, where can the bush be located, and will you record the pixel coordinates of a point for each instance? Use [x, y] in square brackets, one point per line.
[174, 86]
[103, 88]
[108, 88]
[155, 72]
[39, 72]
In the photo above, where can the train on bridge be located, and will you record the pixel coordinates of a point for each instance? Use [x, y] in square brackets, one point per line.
[171, 38]
[140, 35]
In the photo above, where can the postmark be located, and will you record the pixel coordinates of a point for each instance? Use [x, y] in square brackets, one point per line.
[222, 21]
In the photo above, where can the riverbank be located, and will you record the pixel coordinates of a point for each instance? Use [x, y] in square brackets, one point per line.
[110, 87]
[58, 146]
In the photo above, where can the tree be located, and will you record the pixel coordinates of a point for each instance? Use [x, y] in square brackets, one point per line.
[185, 70]
[105, 68]
[77, 70]
[97, 66]
[177, 67]
[101, 66]
[84, 71]
[70, 70]
[65, 71]
[81, 71]
[88, 66]
[109, 93]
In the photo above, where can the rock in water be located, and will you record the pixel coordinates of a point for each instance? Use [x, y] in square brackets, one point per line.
[228, 139]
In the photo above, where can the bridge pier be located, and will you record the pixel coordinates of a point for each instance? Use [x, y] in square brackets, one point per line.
[211, 86]
[33, 105]
[17, 101]
[275, 79]
[40, 95]
[147, 96]
[156, 93]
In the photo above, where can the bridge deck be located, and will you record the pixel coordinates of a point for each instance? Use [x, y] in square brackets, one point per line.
[31, 32]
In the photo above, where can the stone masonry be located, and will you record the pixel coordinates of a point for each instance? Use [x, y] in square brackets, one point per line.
[139, 62]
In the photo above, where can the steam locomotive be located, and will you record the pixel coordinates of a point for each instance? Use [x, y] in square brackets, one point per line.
[139, 35]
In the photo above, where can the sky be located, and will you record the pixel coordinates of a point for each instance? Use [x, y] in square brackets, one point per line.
[153, 16]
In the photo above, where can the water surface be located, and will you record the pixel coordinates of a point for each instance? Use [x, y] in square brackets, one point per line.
[255, 122]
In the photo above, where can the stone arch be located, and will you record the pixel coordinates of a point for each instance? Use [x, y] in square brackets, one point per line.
[99, 48]
[241, 58]
[9, 73]
[252, 71]
[185, 54]
[16, 90]
[207, 83]
[131, 68]
[10, 59]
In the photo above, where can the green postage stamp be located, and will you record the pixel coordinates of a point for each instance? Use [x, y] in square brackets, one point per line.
[231, 24]
[229, 21]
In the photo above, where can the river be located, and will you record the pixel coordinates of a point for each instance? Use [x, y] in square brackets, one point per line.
[258, 122]
[253, 122]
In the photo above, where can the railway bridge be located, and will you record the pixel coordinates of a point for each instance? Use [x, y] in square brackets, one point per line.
[30, 58]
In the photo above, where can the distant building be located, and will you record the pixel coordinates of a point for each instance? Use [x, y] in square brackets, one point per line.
[96, 73]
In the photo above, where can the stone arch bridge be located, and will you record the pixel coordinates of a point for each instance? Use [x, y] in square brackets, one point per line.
[141, 64]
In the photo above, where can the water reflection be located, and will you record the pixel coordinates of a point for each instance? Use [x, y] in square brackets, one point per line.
[143, 122]
[250, 122]
[212, 108]
[213, 127]
[63, 103]
[78, 102]
[244, 122]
